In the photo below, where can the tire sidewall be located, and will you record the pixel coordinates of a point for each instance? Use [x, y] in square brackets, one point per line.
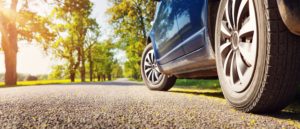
[245, 99]
[162, 83]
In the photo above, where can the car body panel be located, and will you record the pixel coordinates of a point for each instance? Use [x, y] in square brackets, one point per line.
[189, 35]
[165, 31]
[201, 59]
[192, 21]
[188, 52]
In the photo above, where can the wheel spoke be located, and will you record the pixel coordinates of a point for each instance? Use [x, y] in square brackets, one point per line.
[241, 8]
[232, 69]
[240, 66]
[151, 57]
[225, 30]
[224, 46]
[147, 70]
[228, 16]
[149, 75]
[247, 28]
[226, 62]
[156, 75]
[147, 64]
[147, 60]
[152, 76]
[233, 12]
[252, 12]
[245, 49]
[157, 69]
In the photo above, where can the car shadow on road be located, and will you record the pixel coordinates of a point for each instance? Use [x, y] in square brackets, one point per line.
[217, 94]
[118, 83]
[292, 112]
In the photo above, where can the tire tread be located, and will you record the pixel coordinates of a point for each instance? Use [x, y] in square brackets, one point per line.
[282, 65]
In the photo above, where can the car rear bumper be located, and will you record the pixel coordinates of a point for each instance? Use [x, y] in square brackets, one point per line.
[290, 13]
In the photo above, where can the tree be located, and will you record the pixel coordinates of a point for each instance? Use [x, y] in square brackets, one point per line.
[92, 38]
[117, 71]
[130, 20]
[103, 59]
[58, 72]
[18, 25]
[72, 25]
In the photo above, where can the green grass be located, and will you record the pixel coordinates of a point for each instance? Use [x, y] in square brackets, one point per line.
[197, 84]
[43, 82]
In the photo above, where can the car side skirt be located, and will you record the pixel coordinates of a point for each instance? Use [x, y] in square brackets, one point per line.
[198, 64]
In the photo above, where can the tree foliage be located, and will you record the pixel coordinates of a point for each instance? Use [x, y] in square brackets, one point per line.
[69, 33]
[72, 24]
[19, 24]
[103, 58]
[131, 20]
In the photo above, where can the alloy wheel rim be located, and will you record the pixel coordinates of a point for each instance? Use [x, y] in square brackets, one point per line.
[151, 70]
[238, 44]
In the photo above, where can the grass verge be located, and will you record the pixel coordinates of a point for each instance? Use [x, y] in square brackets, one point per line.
[44, 82]
[198, 84]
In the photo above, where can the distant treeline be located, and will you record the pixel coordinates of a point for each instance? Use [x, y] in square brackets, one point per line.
[26, 77]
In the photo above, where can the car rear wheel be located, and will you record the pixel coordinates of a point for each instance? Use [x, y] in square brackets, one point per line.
[152, 76]
[257, 57]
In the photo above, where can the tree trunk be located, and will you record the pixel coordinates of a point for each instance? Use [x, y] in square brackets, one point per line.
[142, 22]
[91, 64]
[103, 77]
[82, 71]
[72, 67]
[99, 77]
[82, 62]
[72, 76]
[109, 77]
[9, 45]
[11, 67]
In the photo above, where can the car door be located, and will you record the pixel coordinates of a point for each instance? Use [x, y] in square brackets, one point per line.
[166, 34]
[191, 18]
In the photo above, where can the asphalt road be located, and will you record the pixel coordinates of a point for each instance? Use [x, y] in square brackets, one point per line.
[124, 104]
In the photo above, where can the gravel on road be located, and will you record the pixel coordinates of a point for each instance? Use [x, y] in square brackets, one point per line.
[124, 104]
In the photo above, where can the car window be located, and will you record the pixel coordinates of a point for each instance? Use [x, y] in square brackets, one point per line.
[165, 22]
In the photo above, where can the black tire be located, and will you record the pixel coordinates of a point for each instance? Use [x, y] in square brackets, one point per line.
[165, 82]
[276, 70]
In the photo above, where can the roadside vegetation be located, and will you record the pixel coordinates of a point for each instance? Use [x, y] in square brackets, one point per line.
[28, 80]
[68, 33]
[198, 84]
[48, 82]
[130, 20]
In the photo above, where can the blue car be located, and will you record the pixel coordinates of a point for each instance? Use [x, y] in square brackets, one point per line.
[251, 46]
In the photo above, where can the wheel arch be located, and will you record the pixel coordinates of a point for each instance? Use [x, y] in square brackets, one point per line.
[213, 7]
[289, 11]
[149, 40]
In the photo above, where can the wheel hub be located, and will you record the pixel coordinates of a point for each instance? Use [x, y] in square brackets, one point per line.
[235, 40]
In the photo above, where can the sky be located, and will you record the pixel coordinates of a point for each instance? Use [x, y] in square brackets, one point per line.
[35, 62]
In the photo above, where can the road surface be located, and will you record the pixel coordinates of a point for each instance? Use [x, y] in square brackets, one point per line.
[124, 104]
